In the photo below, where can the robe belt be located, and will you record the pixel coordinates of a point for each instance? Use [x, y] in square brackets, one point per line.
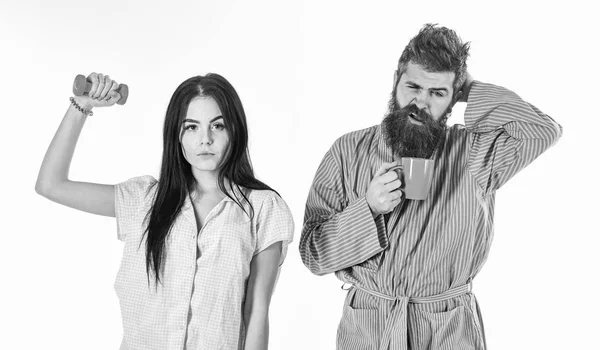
[396, 326]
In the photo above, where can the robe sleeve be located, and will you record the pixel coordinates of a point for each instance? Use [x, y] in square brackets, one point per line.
[337, 234]
[505, 134]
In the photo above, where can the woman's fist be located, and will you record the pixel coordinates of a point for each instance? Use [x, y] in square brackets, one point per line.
[102, 93]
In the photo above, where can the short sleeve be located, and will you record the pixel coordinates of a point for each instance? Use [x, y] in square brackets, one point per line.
[132, 200]
[274, 223]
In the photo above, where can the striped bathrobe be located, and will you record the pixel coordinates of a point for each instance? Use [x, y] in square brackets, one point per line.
[410, 270]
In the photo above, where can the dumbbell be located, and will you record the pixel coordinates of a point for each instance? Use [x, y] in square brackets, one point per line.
[81, 86]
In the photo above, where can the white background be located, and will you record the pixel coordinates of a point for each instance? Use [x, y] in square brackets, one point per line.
[307, 73]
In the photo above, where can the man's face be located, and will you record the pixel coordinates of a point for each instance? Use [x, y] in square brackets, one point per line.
[418, 109]
[431, 92]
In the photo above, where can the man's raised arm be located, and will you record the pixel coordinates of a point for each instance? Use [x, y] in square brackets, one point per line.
[506, 134]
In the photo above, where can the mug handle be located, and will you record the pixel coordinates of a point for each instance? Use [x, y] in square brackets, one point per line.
[399, 166]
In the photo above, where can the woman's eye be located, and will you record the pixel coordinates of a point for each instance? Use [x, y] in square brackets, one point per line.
[218, 126]
[191, 127]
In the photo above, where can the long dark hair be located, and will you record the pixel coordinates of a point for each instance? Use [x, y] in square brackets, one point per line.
[176, 180]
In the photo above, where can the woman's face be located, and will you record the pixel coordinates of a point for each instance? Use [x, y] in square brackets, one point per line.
[204, 139]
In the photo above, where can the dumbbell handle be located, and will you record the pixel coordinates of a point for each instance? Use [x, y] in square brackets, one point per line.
[81, 86]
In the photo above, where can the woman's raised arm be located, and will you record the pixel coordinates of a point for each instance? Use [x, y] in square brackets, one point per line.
[53, 179]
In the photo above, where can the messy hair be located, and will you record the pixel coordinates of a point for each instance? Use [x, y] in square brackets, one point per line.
[437, 49]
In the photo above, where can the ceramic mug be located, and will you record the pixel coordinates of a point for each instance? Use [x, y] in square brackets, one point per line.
[416, 175]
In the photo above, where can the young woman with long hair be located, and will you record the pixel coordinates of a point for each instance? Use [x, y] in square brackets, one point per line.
[204, 242]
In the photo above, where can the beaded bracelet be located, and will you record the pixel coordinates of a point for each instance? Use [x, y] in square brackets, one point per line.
[78, 107]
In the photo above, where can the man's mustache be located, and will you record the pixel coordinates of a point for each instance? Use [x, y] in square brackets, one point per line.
[416, 113]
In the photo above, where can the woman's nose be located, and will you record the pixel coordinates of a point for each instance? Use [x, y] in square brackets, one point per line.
[205, 137]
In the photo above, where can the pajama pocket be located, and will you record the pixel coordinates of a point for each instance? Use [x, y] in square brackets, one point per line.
[360, 327]
[453, 329]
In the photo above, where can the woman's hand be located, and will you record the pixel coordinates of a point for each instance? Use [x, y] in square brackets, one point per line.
[102, 94]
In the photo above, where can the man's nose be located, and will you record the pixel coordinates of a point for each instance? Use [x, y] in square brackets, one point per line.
[422, 101]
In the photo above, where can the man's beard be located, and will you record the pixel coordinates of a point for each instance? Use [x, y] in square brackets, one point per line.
[407, 139]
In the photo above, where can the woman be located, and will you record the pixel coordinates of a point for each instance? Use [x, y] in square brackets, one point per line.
[204, 243]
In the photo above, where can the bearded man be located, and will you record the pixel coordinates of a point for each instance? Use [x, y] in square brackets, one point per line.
[410, 263]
